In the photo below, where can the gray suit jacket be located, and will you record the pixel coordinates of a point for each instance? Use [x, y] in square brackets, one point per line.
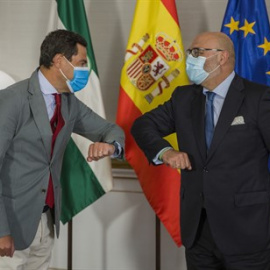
[25, 154]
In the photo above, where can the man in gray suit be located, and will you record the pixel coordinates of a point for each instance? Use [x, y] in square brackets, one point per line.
[27, 157]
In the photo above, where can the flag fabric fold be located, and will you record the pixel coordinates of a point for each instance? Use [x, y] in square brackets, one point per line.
[82, 182]
[247, 24]
[154, 66]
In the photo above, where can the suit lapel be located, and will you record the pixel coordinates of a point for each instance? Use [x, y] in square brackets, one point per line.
[229, 110]
[198, 112]
[40, 114]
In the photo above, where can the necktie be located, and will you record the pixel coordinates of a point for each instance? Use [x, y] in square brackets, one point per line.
[57, 122]
[209, 118]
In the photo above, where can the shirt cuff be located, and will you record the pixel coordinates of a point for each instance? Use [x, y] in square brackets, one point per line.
[158, 158]
[118, 150]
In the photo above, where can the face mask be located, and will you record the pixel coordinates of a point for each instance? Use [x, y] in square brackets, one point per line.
[194, 68]
[80, 78]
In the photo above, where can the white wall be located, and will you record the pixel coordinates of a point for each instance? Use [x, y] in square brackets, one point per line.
[118, 231]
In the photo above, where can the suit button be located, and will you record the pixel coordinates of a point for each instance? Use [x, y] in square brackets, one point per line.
[43, 190]
[205, 170]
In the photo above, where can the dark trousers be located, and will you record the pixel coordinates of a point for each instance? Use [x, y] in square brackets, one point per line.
[204, 254]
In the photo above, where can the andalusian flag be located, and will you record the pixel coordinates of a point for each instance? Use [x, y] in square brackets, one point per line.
[154, 66]
[82, 182]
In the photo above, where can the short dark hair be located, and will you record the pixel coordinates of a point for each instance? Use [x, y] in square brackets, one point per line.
[59, 41]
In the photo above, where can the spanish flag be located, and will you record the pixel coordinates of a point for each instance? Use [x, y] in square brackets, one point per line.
[154, 66]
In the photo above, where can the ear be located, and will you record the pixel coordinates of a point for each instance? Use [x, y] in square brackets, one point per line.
[57, 60]
[224, 56]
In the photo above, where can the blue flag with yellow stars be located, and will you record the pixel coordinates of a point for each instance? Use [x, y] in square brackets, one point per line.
[246, 23]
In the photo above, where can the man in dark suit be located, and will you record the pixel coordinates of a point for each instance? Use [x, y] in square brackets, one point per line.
[37, 117]
[222, 124]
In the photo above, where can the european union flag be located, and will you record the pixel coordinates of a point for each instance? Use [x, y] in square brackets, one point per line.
[246, 23]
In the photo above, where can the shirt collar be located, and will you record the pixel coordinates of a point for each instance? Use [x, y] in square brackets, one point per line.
[45, 86]
[223, 88]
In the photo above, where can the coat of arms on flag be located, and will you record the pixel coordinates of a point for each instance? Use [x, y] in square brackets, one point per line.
[151, 64]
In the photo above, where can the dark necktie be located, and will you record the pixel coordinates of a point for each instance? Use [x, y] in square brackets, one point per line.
[209, 118]
[57, 122]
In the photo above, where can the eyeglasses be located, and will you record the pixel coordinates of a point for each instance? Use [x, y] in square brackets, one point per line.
[195, 52]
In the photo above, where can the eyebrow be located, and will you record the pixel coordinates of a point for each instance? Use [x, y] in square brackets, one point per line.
[83, 61]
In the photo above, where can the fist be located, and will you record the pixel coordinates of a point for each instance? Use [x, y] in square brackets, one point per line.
[99, 150]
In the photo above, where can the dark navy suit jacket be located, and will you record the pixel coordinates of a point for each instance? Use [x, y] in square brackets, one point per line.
[232, 181]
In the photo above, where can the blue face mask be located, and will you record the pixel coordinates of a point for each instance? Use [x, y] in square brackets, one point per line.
[80, 78]
[195, 70]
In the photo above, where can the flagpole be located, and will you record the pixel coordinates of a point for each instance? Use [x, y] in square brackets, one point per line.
[158, 246]
[69, 251]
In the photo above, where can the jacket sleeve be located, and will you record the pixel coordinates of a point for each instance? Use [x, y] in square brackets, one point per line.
[90, 125]
[150, 129]
[9, 114]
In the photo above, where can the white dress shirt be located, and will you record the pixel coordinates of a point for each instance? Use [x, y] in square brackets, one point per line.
[47, 90]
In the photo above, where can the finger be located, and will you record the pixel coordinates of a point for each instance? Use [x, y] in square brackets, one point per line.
[100, 153]
[182, 165]
[89, 158]
[90, 152]
[9, 253]
[187, 162]
[174, 164]
[105, 150]
[93, 153]
[184, 162]
[12, 250]
[177, 163]
[100, 150]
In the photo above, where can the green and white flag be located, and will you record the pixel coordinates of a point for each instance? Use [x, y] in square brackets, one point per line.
[82, 182]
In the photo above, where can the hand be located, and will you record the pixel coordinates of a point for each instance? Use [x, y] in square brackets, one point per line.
[176, 159]
[99, 150]
[6, 246]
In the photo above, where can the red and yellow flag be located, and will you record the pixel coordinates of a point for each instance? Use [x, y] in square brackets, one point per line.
[154, 66]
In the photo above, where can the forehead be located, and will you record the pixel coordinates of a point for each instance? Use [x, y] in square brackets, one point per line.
[82, 53]
[204, 41]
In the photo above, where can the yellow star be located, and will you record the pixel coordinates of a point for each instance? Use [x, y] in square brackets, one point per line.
[268, 73]
[247, 28]
[233, 25]
[265, 46]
